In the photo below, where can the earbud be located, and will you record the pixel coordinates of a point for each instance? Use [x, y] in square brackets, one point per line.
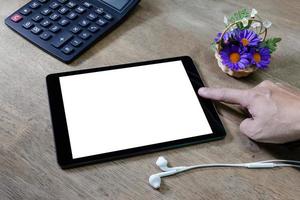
[162, 163]
[155, 179]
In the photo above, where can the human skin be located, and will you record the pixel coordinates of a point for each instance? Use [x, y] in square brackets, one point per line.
[274, 110]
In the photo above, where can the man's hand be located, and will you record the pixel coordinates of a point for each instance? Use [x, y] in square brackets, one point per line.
[275, 110]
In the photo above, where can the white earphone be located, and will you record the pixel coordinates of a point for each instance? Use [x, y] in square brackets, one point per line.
[162, 163]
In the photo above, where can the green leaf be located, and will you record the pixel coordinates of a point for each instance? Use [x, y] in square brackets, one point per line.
[239, 15]
[240, 25]
[271, 43]
[213, 46]
[249, 24]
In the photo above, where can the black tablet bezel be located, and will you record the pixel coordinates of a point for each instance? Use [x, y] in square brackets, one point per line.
[62, 143]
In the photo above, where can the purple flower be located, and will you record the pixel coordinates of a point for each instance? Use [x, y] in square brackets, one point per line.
[228, 35]
[235, 57]
[218, 37]
[260, 57]
[247, 38]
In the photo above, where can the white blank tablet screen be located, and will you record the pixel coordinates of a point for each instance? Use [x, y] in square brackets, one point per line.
[131, 107]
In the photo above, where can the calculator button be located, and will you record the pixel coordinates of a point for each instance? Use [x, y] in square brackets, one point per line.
[71, 4]
[63, 10]
[92, 16]
[54, 5]
[54, 29]
[87, 4]
[62, 1]
[80, 9]
[84, 22]
[93, 28]
[16, 18]
[99, 11]
[46, 11]
[45, 23]
[72, 15]
[45, 36]
[75, 29]
[54, 16]
[61, 39]
[85, 35]
[25, 11]
[108, 16]
[76, 42]
[34, 5]
[36, 30]
[67, 49]
[37, 18]
[63, 22]
[101, 22]
[27, 25]
[43, 1]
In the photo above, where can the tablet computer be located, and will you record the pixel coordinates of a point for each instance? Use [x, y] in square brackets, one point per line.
[113, 112]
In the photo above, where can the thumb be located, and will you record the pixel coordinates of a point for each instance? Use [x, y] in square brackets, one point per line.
[250, 127]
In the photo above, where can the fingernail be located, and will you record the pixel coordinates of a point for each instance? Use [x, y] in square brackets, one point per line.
[202, 91]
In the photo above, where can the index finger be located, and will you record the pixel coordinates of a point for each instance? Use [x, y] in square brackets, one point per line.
[235, 96]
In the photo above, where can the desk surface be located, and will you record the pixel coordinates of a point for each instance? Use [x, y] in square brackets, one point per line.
[157, 29]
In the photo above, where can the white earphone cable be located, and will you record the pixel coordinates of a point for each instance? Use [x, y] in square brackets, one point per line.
[162, 163]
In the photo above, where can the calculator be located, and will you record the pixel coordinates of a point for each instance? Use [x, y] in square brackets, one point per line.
[66, 28]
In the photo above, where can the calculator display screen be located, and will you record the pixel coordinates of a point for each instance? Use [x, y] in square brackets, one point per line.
[118, 4]
[118, 109]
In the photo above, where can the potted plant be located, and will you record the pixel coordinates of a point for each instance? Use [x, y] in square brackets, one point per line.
[243, 47]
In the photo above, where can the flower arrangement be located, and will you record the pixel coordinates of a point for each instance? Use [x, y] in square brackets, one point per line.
[243, 47]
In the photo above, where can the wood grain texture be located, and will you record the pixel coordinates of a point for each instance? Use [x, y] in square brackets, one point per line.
[157, 29]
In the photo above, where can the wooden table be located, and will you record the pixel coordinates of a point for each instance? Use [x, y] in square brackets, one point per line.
[157, 29]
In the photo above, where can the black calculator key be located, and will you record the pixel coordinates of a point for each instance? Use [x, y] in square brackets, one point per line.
[54, 16]
[63, 10]
[63, 22]
[25, 11]
[72, 15]
[36, 30]
[45, 36]
[45, 23]
[67, 49]
[80, 9]
[75, 29]
[71, 4]
[34, 5]
[46, 11]
[27, 25]
[37, 18]
[54, 28]
[43, 1]
[93, 28]
[108, 16]
[99, 11]
[61, 39]
[92, 16]
[54, 5]
[62, 1]
[84, 35]
[101, 22]
[76, 42]
[84, 22]
[87, 4]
